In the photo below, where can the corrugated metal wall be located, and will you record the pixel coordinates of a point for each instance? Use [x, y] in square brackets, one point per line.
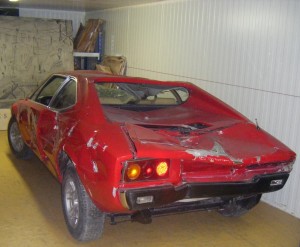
[246, 52]
[75, 17]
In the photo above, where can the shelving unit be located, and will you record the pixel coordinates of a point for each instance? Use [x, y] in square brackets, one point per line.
[84, 58]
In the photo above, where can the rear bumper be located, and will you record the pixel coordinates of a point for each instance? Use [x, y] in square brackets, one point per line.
[168, 194]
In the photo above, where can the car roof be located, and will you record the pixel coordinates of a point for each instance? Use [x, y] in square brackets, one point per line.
[97, 76]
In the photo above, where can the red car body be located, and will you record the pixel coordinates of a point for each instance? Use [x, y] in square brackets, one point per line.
[205, 148]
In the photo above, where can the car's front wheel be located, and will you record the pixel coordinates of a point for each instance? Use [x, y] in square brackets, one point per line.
[16, 143]
[239, 206]
[84, 220]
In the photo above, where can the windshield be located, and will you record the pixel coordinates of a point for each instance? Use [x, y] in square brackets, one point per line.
[124, 94]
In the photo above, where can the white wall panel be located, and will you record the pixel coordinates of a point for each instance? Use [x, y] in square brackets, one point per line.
[76, 17]
[116, 30]
[246, 52]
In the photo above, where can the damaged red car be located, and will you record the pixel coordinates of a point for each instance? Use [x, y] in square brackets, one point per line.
[138, 147]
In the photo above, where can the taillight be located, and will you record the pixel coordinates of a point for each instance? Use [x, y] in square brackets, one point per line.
[133, 171]
[162, 168]
[137, 170]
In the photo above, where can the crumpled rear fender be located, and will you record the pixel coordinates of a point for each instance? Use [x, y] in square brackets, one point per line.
[97, 159]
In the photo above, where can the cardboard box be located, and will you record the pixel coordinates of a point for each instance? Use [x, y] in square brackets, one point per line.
[4, 118]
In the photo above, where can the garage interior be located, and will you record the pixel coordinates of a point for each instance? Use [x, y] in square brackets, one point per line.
[247, 53]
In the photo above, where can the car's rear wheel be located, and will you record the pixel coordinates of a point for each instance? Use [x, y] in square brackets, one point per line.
[16, 143]
[239, 206]
[84, 220]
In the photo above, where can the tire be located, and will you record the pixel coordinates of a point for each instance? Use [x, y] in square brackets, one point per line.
[84, 220]
[239, 206]
[15, 140]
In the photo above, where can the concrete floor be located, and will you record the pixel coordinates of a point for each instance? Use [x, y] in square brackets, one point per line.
[31, 215]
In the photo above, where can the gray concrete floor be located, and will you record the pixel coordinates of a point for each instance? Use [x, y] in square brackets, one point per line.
[31, 215]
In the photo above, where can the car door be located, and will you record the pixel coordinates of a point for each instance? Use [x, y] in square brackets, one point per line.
[55, 121]
[34, 107]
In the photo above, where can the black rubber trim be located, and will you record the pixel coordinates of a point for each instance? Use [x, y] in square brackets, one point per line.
[168, 194]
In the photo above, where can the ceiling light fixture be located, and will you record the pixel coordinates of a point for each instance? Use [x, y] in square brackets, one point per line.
[14, 0]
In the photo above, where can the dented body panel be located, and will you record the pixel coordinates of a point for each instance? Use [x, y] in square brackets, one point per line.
[211, 150]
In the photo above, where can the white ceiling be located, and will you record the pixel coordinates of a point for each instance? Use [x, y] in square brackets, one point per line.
[77, 5]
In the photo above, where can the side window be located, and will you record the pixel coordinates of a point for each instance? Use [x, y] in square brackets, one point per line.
[46, 93]
[66, 96]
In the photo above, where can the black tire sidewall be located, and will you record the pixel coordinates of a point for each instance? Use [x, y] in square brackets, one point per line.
[240, 207]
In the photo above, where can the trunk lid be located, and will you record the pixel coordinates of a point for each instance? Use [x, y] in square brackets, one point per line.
[200, 139]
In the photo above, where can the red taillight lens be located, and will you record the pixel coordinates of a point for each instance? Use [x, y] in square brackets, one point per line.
[148, 171]
[137, 170]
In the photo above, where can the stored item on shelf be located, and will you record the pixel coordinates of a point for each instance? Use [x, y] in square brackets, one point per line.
[103, 68]
[87, 36]
[117, 64]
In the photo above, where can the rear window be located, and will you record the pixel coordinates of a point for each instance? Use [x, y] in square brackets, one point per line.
[126, 94]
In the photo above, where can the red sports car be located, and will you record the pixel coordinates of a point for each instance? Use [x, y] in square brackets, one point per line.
[122, 145]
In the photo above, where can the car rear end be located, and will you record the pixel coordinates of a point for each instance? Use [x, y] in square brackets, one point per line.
[189, 149]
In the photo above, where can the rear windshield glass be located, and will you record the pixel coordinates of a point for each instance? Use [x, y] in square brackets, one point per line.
[123, 94]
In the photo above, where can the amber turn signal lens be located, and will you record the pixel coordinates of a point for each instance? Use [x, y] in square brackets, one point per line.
[162, 168]
[133, 171]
